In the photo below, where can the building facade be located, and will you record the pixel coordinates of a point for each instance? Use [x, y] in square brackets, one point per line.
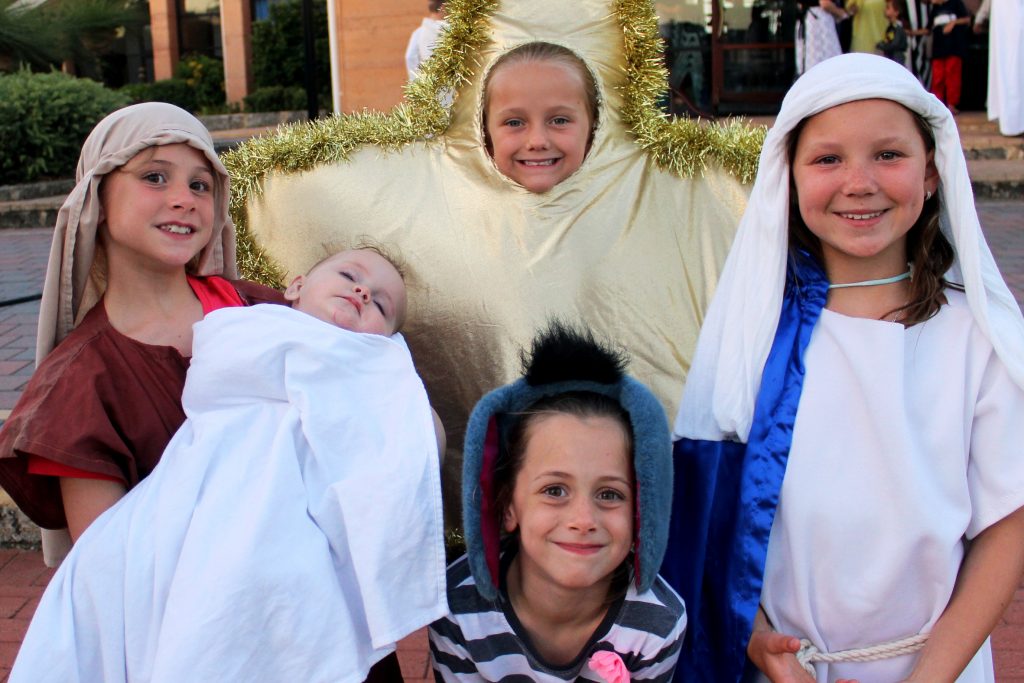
[368, 39]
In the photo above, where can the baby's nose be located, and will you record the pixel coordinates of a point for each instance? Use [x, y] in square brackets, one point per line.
[363, 292]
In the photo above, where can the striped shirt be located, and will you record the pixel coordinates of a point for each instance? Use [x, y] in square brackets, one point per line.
[484, 641]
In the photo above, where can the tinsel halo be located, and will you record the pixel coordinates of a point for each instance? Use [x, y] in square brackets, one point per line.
[684, 147]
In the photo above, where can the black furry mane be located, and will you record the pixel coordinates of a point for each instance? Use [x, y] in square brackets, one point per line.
[562, 352]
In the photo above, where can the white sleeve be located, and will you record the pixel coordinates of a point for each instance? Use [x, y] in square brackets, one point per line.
[995, 470]
[412, 53]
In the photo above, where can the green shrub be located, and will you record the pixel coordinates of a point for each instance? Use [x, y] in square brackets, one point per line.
[174, 90]
[278, 52]
[44, 119]
[276, 98]
[205, 76]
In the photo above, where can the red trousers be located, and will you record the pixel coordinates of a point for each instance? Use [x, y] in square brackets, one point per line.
[946, 79]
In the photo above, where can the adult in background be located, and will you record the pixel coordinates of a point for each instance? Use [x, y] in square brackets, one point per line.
[817, 37]
[918, 19]
[869, 24]
[1005, 63]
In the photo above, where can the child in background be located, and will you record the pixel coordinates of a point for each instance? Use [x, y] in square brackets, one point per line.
[293, 528]
[950, 36]
[572, 464]
[894, 43]
[874, 495]
[140, 252]
[540, 112]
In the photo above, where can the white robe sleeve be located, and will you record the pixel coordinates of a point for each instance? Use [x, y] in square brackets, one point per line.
[995, 472]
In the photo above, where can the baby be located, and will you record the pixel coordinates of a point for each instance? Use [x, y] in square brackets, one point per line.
[359, 290]
[293, 528]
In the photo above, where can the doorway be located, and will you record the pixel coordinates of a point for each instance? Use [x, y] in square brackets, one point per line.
[727, 56]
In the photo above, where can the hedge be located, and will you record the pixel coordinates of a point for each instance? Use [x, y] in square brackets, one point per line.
[174, 90]
[276, 98]
[44, 119]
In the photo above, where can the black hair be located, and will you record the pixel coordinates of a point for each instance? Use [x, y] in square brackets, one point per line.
[901, 8]
[562, 353]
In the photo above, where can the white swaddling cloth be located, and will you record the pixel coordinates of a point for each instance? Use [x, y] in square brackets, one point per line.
[292, 530]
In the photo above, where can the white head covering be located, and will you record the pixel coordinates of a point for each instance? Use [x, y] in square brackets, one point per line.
[76, 272]
[740, 325]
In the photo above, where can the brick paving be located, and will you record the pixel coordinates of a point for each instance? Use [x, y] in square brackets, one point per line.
[23, 255]
[23, 577]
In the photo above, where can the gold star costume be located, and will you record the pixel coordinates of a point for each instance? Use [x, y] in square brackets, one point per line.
[631, 244]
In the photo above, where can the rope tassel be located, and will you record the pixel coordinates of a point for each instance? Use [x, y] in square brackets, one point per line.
[808, 653]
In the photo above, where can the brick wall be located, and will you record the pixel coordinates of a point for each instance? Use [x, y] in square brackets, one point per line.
[371, 43]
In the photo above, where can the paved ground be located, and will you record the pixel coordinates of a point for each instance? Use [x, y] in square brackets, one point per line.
[23, 256]
[23, 578]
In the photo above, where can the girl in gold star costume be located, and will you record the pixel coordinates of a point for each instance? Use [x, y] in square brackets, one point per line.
[632, 241]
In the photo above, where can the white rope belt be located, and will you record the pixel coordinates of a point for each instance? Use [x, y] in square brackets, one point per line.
[808, 653]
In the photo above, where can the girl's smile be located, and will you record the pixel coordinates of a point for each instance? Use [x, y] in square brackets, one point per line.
[861, 172]
[580, 548]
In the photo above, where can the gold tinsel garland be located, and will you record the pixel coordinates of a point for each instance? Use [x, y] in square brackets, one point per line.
[684, 147]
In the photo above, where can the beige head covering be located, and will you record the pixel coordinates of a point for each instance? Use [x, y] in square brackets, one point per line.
[76, 272]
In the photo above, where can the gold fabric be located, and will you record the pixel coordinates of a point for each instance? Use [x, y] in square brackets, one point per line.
[627, 245]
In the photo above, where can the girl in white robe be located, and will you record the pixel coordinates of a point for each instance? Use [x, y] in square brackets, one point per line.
[864, 360]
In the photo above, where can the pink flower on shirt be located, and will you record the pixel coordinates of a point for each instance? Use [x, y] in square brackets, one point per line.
[609, 666]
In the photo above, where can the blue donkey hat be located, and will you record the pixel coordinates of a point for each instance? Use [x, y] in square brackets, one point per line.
[565, 360]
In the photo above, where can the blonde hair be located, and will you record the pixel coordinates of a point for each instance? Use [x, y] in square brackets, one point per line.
[365, 243]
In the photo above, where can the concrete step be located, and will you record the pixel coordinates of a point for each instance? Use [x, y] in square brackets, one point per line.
[988, 146]
[44, 188]
[997, 178]
[36, 212]
[244, 120]
[227, 140]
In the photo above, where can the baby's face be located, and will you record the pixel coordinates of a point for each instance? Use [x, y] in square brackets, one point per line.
[357, 290]
[538, 122]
